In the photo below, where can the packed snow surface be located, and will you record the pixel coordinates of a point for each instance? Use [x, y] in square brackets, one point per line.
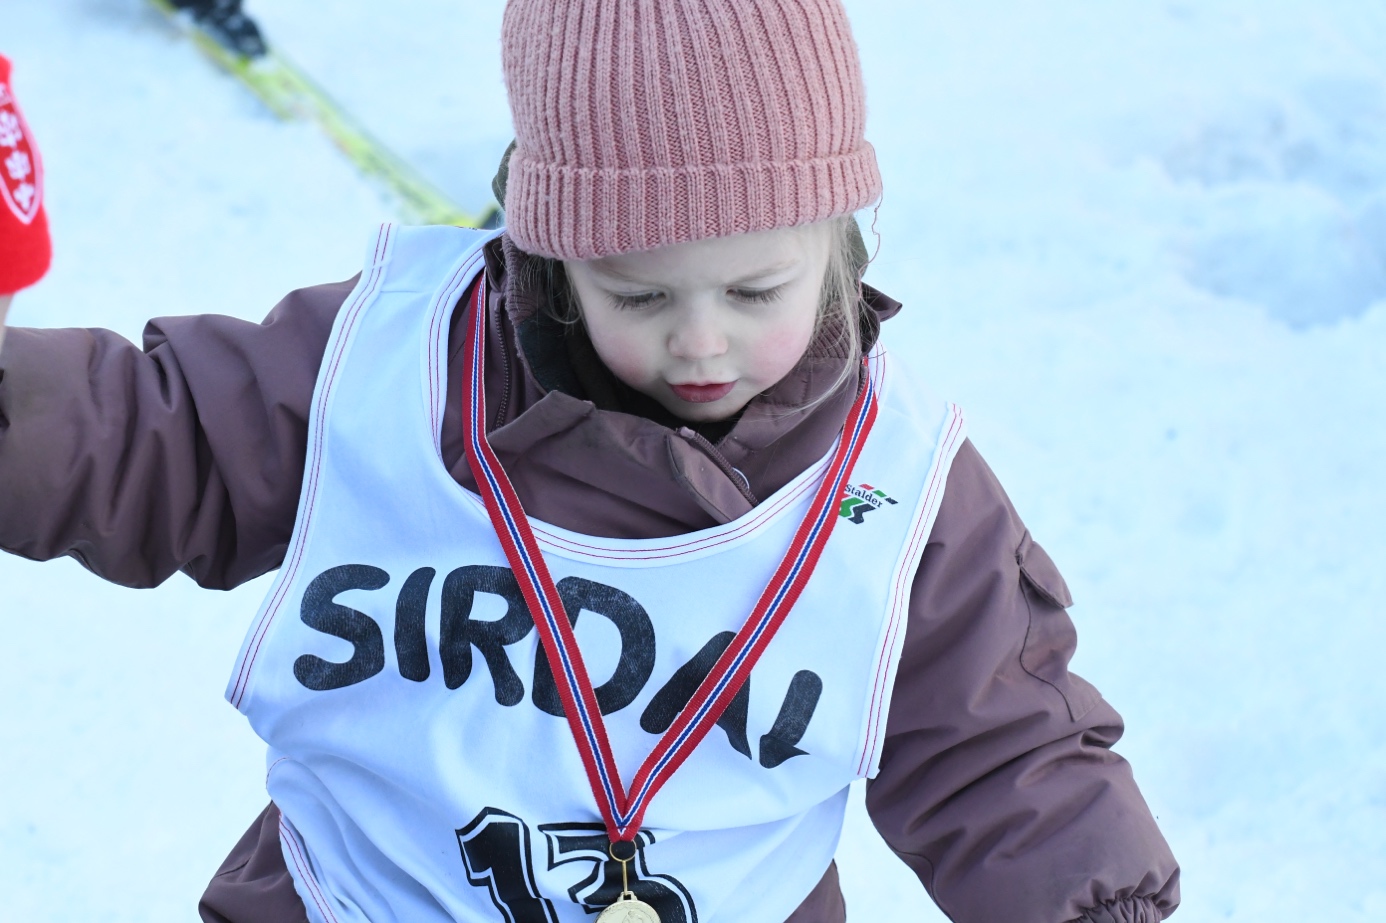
[1143, 244]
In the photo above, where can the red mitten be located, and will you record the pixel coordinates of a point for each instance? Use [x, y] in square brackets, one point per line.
[24, 246]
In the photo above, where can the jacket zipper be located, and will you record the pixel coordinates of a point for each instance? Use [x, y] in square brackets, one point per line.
[732, 473]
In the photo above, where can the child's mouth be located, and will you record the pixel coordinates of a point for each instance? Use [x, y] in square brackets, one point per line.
[702, 394]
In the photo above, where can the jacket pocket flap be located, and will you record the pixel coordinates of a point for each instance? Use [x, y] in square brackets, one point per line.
[1041, 573]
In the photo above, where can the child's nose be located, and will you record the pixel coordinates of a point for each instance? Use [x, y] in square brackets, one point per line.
[697, 336]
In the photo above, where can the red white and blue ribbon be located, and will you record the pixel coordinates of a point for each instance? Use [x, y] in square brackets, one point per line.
[624, 810]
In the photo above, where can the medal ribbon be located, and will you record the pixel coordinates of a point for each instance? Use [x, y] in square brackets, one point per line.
[623, 812]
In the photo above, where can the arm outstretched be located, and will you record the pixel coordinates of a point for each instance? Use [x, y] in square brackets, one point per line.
[184, 455]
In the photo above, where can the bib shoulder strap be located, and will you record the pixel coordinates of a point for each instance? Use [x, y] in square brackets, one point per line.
[410, 256]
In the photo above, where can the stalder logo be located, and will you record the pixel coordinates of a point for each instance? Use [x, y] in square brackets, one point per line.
[857, 501]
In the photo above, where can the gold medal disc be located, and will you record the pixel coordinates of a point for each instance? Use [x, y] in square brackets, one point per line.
[629, 909]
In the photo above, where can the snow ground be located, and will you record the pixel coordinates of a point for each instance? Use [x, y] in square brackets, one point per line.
[1144, 244]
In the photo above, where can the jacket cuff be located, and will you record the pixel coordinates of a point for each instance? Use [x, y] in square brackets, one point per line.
[1128, 910]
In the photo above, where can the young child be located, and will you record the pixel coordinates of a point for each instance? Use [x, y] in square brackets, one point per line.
[614, 546]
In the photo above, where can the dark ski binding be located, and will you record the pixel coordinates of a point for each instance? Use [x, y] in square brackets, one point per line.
[224, 21]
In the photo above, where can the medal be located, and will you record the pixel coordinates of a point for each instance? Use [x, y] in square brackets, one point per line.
[628, 908]
[623, 809]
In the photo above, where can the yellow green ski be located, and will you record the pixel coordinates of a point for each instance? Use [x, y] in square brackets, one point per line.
[291, 95]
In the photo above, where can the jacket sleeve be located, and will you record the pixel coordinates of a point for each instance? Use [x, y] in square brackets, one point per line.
[997, 784]
[186, 455]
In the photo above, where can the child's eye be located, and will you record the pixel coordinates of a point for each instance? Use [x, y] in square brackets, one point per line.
[634, 302]
[757, 295]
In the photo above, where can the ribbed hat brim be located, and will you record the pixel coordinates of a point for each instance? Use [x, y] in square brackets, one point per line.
[578, 214]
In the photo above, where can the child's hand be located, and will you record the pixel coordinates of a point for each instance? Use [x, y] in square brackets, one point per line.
[24, 246]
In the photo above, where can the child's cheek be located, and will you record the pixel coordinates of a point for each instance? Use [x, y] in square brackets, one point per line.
[781, 349]
[627, 357]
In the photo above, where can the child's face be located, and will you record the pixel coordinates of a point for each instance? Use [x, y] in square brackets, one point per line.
[703, 327]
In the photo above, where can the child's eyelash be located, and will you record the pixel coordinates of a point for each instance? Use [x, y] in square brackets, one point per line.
[746, 295]
[632, 302]
[758, 295]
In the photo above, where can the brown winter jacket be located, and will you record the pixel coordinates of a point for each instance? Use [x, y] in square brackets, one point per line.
[998, 786]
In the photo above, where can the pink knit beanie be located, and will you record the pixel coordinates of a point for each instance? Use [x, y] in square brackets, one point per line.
[645, 123]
